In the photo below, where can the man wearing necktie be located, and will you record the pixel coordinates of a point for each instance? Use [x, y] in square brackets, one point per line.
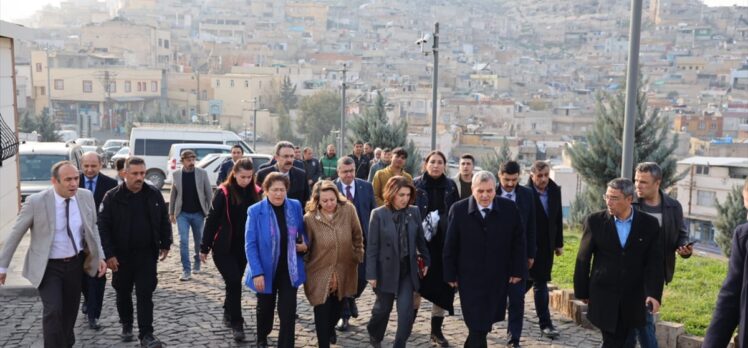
[510, 189]
[361, 194]
[484, 253]
[64, 241]
[627, 270]
[93, 287]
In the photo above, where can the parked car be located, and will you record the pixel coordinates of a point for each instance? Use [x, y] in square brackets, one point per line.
[153, 144]
[111, 147]
[174, 162]
[87, 141]
[212, 163]
[124, 152]
[36, 160]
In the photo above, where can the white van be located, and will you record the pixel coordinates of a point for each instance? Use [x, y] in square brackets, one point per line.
[152, 143]
[174, 162]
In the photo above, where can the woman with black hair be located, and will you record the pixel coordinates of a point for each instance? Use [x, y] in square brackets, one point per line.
[224, 235]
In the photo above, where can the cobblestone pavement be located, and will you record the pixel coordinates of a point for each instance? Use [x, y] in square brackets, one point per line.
[189, 314]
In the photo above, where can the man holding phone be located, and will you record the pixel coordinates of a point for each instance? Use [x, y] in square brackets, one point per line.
[674, 236]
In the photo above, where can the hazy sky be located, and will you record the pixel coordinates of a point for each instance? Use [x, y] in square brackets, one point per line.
[16, 9]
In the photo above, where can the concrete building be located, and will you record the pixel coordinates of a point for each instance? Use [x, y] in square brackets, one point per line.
[10, 198]
[220, 29]
[136, 45]
[704, 126]
[709, 180]
[236, 93]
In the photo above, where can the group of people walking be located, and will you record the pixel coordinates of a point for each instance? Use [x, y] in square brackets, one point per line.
[338, 225]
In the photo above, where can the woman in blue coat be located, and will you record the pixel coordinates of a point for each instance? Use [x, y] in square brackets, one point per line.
[275, 244]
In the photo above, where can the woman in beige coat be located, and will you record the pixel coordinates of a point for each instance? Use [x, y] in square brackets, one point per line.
[335, 249]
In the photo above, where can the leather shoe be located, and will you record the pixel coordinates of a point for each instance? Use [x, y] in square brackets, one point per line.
[333, 338]
[513, 344]
[374, 342]
[549, 332]
[353, 308]
[150, 341]
[127, 333]
[84, 308]
[238, 333]
[94, 324]
[342, 325]
[262, 343]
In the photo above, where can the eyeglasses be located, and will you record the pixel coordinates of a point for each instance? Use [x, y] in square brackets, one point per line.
[612, 198]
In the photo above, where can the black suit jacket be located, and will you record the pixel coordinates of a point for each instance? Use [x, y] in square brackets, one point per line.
[299, 189]
[621, 278]
[103, 184]
[526, 205]
[549, 228]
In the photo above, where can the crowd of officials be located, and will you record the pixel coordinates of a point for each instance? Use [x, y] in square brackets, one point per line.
[339, 224]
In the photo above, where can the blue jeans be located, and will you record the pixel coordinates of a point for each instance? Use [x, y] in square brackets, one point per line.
[540, 292]
[184, 222]
[516, 293]
[645, 334]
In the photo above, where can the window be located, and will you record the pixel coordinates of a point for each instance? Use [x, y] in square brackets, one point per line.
[702, 170]
[166, 43]
[204, 95]
[706, 198]
[246, 84]
[154, 86]
[140, 86]
[231, 84]
[160, 43]
[128, 86]
[218, 83]
[42, 91]
[112, 87]
[59, 84]
[702, 125]
[260, 85]
[87, 86]
[38, 67]
[714, 125]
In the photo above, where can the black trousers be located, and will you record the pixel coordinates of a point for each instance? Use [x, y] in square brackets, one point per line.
[286, 294]
[93, 295]
[349, 302]
[380, 313]
[620, 338]
[60, 291]
[476, 339]
[325, 317]
[231, 266]
[139, 270]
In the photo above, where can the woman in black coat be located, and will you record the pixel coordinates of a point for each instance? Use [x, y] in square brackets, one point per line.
[224, 234]
[395, 239]
[436, 193]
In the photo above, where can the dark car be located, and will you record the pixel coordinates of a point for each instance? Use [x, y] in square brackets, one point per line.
[111, 147]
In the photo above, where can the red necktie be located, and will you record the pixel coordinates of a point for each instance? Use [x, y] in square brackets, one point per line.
[348, 194]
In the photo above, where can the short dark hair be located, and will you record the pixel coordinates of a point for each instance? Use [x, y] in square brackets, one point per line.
[509, 167]
[134, 161]
[367, 143]
[56, 168]
[400, 152]
[386, 149]
[282, 144]
[119, 164]
[345, 161]
[394, 184]
[237, 146]
[538, 166]
[626, 186]
[468, 156]
[271, 178]
[652, 168]
[358, 142]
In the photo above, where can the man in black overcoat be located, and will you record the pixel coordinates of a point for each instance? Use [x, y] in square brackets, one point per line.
[627, 269]
[484, 252]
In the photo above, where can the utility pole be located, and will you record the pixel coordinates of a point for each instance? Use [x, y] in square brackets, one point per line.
[49, 90]
[106, 78]
[632, 82]
[434, 101]
[254, 126]
[342, 113]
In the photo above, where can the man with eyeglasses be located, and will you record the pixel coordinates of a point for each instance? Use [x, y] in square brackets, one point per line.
[284, 158]
[627, 271]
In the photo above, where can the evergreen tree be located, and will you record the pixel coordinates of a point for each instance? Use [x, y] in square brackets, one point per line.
[374, 127]
[28, 123]
[285, 132]
[598, 159]
[288, 95]
[730, 214]
[493, 160]
[319, 114]
[47, 128]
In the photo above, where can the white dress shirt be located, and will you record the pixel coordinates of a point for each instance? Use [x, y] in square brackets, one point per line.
[480, 208]
[61, 245]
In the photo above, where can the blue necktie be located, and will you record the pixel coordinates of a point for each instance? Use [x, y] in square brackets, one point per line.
[89, 183]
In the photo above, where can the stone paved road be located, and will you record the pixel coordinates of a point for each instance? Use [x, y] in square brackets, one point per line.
[188, 314]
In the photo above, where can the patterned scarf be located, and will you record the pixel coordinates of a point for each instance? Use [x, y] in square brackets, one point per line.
[292, 223]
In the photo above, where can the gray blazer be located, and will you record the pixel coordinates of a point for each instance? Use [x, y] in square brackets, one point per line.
[204, 192]
[38, 214]
[382, 249]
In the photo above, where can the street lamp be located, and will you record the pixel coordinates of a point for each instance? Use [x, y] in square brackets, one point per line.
[342, 107]
[254, 122]
[435, 51]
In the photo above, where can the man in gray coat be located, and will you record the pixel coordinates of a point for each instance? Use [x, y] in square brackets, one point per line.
[64, 242]
[189, 203]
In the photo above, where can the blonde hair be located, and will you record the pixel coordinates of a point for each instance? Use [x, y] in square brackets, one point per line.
[321, 186]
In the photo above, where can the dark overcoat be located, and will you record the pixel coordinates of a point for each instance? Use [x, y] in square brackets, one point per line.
[433, 287]
[549, 229]
[364, 203]
[620, 279]
[481, 254]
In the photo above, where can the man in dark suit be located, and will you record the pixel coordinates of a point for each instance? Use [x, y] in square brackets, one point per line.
[361, 161]
[311, 166]
[484, 252]
[237, 152]
[284, 158]
[730, 311]
[510, 189]
[549, 228]
[93, 287]
[627, 270]
[361, 194]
